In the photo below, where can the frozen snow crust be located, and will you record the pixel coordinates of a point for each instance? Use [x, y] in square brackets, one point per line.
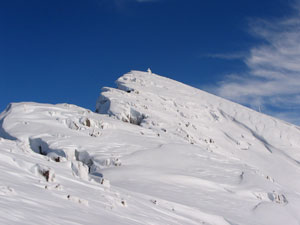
[157, 152]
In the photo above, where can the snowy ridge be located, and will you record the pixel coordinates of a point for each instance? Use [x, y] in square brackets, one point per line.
[147, 99]
[159, 152]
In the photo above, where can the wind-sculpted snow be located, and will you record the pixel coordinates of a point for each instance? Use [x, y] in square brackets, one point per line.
[157, 152]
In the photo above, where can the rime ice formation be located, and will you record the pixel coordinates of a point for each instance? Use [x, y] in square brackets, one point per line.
[157, 152]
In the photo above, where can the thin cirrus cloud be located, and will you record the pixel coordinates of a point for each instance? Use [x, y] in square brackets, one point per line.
[272, 80]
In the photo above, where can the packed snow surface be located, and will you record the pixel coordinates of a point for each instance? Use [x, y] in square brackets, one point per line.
[156, 152]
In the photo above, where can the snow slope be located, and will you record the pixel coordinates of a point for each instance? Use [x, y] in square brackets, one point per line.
[157, 152]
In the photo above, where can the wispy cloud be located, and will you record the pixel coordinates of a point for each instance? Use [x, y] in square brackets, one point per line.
[272, 81]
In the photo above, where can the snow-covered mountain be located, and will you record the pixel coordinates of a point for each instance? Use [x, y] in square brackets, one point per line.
[156, 152]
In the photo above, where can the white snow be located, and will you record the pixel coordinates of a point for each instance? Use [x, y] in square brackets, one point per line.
[159, 152]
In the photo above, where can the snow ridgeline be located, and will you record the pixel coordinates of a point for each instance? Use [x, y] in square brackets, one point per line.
[164, 105]
[188, 157]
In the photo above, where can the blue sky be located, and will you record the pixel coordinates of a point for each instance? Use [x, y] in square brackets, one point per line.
[56, 51]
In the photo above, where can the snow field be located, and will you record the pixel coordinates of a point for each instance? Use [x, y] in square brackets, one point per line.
[157, 152]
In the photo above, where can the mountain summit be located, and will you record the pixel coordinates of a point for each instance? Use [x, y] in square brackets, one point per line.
[155, 152]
